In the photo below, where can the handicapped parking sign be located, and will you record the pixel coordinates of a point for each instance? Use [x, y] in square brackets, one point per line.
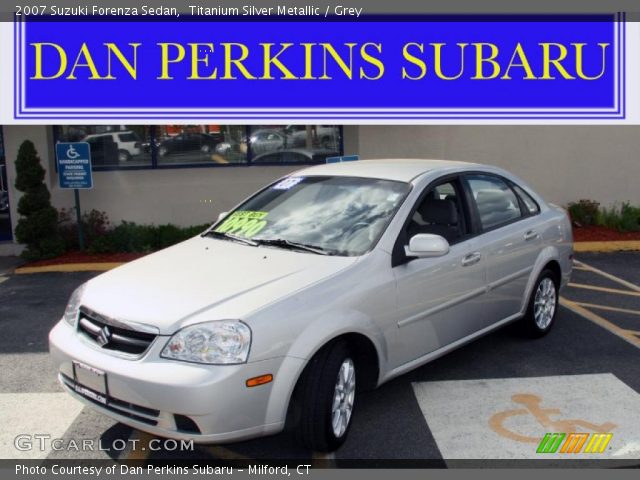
[74, 165]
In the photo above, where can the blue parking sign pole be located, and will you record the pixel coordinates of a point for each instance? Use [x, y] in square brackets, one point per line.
[74, 172]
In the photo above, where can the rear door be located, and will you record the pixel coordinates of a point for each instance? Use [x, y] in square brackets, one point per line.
[510, 242]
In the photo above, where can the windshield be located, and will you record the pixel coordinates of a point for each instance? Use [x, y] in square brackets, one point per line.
[334, 215]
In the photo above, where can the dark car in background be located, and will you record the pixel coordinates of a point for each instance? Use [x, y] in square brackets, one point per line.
[189, 143]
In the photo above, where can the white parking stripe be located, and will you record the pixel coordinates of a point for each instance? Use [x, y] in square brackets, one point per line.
[619, 280]
[30, 414]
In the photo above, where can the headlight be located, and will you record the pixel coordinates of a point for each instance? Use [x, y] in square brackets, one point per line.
[223, 342]
[73, 306]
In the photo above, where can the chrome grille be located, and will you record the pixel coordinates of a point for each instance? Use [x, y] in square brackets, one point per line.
[112, 335]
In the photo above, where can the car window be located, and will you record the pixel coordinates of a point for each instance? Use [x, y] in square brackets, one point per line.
[530, 203]
[496, 202]
[439, 212]
[127, 137]
[340, 215]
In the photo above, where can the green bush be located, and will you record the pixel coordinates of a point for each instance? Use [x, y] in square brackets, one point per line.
[129, 237]
[38, 225]
[584, 212]
[624, 218]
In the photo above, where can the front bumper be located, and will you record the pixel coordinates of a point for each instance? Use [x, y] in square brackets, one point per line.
[155, 394]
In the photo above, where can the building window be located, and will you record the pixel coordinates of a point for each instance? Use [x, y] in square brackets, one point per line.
[167, 146]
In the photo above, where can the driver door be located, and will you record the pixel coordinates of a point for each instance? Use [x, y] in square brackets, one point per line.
[440, 300]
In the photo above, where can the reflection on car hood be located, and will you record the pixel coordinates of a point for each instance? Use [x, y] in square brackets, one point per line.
[204, 279]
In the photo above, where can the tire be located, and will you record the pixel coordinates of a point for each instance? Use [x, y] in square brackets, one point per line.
[315, 394]
[205, 149]
[123, 156]
[162, 151]
[544, 303]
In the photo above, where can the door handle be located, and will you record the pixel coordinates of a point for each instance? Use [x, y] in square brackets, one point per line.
[530, 235]
[471, 259]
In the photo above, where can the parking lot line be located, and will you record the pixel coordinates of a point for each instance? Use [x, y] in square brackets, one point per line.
[611, 309]
[604, 289]
[3, 279]
[597, 319]
[619, 280]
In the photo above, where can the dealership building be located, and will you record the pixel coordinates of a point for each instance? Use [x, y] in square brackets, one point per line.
[188, 174]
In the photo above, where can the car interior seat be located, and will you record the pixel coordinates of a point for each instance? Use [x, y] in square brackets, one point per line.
[440, 218]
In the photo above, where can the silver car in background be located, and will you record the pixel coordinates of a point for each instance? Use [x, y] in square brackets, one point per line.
[329, 281]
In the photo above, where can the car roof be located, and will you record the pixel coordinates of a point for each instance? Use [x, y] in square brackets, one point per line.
[403, 170]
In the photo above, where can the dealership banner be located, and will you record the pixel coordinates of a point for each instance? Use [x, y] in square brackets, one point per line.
[334, 64]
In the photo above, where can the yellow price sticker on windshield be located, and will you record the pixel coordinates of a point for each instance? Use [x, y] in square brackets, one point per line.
[244, 222]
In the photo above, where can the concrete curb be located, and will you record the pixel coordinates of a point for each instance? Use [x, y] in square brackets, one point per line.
[614, 246]
[619, 246]
[69, 267]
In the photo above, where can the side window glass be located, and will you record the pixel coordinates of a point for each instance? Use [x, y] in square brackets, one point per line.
[532, 206]
[497, 204]
[439, 213]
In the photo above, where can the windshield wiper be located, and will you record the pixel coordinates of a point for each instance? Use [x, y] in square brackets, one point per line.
[282, 243]
[231, 236]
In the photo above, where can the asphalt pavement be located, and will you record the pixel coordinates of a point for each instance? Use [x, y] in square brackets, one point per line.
[494, 398]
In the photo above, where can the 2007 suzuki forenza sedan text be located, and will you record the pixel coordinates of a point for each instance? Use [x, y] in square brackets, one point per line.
[334, 279]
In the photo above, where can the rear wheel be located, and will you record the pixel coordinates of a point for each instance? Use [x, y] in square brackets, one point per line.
[326, 398]
[543, 306]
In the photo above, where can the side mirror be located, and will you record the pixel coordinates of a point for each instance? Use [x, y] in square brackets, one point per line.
[426, 245]
[222, 215]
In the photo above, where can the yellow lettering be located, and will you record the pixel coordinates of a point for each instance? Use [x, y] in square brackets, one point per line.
[580, 60]
[437, 60]
[112, 48]
[414, 60]
[524, 63]
[164, 47]
[85, 55]
[229, 61]
[196, 60]
[308, 64]
[347, 69]
[547, 61]
[371, 60]
[270, 59]
[62, 61]
[481, 60]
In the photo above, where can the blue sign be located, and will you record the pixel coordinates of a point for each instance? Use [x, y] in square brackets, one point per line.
[346, 158]
[74, 165]
[542, 66]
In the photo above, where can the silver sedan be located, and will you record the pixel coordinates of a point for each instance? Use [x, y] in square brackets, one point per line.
[329, 281]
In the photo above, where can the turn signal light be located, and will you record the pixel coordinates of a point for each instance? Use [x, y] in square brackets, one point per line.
[261, 380]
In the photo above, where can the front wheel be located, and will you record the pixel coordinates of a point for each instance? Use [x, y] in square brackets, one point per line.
[326, 398]
[543, 306]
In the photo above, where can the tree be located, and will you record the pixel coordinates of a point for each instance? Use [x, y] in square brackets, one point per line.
[38, 227]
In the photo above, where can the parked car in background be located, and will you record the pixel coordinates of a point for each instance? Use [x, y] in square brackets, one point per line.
[127, 143]
[189, 143]
[4, 201]
[330, 281]
[104, 151]
[325, 136]
[294, 155]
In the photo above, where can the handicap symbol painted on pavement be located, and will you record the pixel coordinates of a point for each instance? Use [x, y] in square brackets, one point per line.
[532, 406]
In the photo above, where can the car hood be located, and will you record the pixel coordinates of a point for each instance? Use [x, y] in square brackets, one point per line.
[204, 279]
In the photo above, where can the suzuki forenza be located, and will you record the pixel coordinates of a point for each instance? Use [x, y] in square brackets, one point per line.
[334, 279]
